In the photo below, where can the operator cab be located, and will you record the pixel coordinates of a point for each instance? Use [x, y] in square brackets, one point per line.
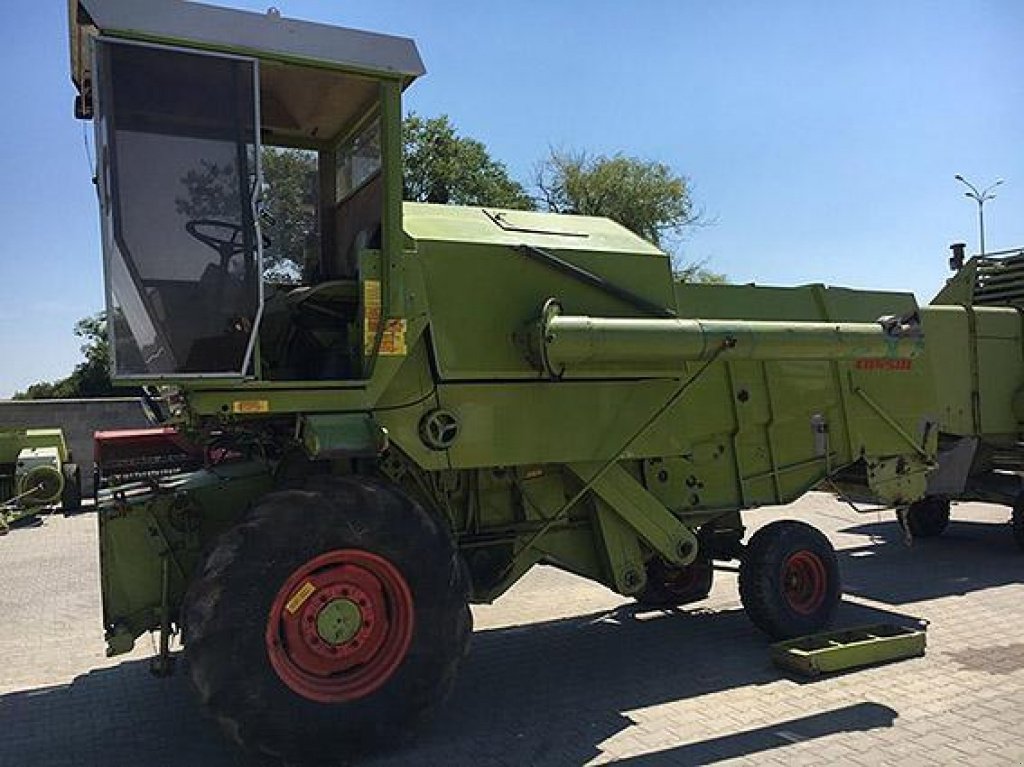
[249, 173]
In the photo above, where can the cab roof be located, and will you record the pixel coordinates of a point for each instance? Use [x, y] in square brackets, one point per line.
[265, 36]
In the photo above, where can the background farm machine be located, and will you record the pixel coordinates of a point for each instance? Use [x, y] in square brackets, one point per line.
[449, 395]
[36, 474]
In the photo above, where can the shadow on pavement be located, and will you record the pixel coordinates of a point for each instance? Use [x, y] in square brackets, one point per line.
[859, 717]
[969, 556]
[547, 693]
[551, 693]
[112, 716]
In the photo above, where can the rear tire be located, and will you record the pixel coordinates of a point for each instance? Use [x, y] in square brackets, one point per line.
[258, 606]
[672, 586]
[789, 579]
[927, 518]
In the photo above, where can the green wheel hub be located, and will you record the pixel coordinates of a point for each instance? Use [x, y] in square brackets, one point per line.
[339, 621]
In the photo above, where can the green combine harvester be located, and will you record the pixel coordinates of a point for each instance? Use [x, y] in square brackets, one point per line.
[449, 396]
[36, 475]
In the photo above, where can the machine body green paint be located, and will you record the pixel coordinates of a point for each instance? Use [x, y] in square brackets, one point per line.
[539, 382]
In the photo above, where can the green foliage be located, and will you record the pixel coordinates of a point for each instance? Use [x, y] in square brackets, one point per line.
[648, 198]
[443, 167]
[291, 199]
[440, 166]
[695, 272]
[91, 377]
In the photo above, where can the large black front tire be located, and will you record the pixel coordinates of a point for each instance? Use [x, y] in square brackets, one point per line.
[238, 586]
[789, 580]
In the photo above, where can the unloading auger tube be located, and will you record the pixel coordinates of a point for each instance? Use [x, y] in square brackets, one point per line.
[613, 347]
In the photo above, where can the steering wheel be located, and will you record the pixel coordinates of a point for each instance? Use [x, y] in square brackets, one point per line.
[229, 244]
[227, 238]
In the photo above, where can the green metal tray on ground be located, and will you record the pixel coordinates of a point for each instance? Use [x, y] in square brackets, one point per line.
[848, 648]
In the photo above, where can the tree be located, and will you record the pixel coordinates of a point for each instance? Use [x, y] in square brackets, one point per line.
[90, 378]
[292, 220]
[443, 167]
[439, 166]
[695, 271]
[648, 198]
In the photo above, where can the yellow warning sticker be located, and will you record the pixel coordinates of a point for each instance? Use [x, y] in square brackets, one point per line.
[250, 406]
[299, 597]
[371, 314]
[392, 342]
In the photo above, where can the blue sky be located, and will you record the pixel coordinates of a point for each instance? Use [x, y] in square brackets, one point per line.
[822, 138]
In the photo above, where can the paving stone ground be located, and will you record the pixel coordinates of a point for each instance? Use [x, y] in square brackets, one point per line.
[563, 672]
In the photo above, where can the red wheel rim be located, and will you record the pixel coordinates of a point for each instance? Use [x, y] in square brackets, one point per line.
[804, 582]
[340, 626]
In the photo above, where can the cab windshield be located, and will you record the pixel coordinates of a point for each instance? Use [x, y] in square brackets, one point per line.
[239, 199]
[180, 178]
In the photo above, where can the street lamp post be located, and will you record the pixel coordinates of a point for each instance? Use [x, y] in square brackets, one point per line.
[981, 198]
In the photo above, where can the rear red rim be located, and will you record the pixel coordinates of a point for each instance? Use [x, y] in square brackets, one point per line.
[804, 582]
[340, 626]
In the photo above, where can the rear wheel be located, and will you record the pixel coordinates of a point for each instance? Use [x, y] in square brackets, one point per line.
[789, 579]
[672, 586]
[927, 518]
[331, 620]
